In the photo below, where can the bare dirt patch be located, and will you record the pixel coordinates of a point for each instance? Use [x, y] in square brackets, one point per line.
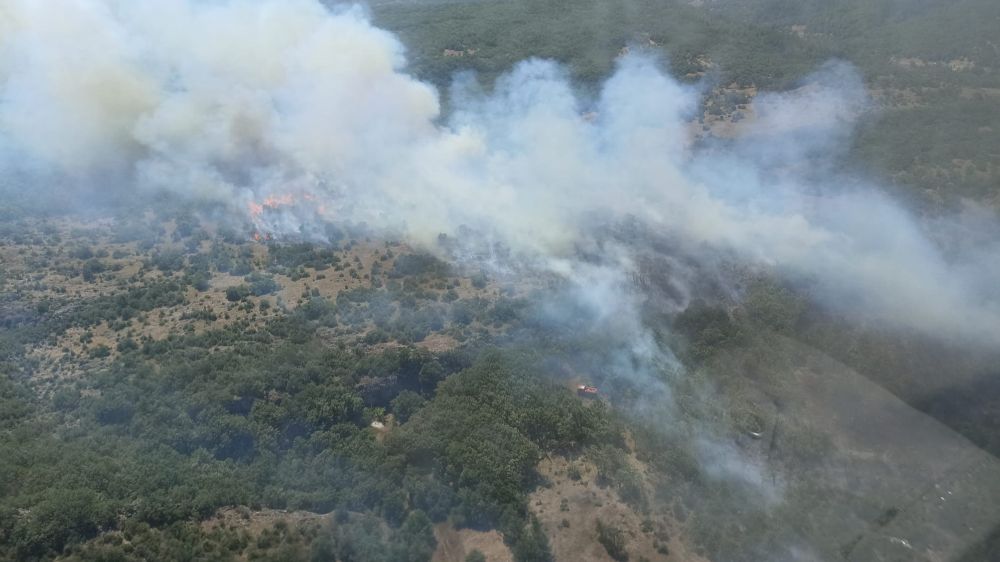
[455, 544]
[258, 521]
[570, 509]
[437, 343]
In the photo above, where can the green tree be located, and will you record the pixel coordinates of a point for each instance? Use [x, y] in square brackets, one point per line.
[405, 404]
[532, 545]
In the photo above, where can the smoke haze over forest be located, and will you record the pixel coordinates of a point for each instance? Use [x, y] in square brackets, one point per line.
[291, 115]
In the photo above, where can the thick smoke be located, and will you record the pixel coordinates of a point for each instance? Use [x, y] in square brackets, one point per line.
[292, 115]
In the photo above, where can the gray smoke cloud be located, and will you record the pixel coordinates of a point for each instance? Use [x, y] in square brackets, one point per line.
[291, 115]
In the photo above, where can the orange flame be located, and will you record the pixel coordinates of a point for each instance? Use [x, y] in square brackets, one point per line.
[270, 202]
[257, 209]
[275, 201]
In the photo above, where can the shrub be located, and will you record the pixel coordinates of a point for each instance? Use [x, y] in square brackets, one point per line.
[613, 541]
[237, 293]
[261, 284]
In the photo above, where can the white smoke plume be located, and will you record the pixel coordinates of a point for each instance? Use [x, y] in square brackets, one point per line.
[292, 114]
